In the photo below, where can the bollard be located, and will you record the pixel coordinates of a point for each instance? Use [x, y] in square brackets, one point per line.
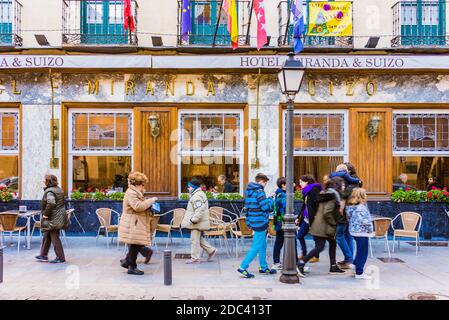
[1, 264]
[167, 268]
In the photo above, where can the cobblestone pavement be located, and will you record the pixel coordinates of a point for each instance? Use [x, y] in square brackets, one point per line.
[93, 272]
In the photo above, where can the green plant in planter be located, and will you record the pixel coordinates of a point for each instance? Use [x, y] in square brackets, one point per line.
[77, 195]
[99, 196]
[6, 196]
[184, 196]
[298, 195]
[408, 196]
[209, 195]
[233, 196]
[116, 196]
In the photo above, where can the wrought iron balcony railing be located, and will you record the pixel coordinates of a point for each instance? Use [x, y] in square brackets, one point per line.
[420, 24]
[11, 23]
[209, 24]
[286, 31]
[97, 22]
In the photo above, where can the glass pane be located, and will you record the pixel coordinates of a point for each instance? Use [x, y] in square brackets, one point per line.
[116, 11]
[101, 131]
[189, 137]
[123, 129]
[81, 131]
[212, 132]
[6, 12]
[318, 167]
[95, 12]
[231, 131]
[100, 172]
[414, 172]
[9, 171]
[8, 130]
[207, 170]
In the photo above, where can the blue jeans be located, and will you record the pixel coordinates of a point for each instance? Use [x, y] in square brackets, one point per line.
[258, 247]
[302, 232]
[361, 255]
[345, 241]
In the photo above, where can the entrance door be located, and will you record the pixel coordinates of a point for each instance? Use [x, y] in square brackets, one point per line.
[153, 154]
[371, 150]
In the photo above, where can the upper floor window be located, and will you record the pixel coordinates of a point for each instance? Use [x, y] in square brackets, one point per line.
[10, 22]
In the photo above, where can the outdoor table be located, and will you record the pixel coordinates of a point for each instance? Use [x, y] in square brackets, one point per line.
[27, 215]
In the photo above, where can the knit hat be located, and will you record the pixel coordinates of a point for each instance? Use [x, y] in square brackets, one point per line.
[194, 183]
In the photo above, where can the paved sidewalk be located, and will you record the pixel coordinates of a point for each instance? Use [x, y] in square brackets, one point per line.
[93, 272]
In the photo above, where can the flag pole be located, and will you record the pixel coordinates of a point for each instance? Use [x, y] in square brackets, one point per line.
[249, 23]
[218, 22]
[289, 13]
[129, 30]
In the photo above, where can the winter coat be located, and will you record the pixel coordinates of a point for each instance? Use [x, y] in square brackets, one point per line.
[135, 222]
[197, 214]
[325, 223]
[311, 203]
[280, 204]
[346, 176]
[351, 186]
[258, 207]
[53, 207]
[360, 221]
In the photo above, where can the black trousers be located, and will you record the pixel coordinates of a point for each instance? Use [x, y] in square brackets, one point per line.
[278, 244]
[48, 238]
[319, 247]
[131, 256]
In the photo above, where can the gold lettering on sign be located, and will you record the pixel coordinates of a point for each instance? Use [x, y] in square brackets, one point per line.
[130, 87]
[331, 88]
[350, 85]
[371, 87]
[170, 86]
[112, 87]
[14, 88]
[1, 84]
[149, 88]
[210, 89]
[311, 83]
[190, 88]
[93, 87]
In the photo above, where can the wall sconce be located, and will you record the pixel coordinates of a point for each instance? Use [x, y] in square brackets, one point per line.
[373, 126]
[153, 121]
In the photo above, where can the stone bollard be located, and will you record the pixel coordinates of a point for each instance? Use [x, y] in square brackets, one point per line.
[1, 264]
[167, 268]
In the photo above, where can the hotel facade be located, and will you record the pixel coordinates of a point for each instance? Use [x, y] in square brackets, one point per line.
[83, 100]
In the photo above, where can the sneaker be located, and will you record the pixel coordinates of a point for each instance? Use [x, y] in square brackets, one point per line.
[363, 276]
[267, 271]
[336, 270]
[306, 269]
[300, 270]
[344, 265]
[41, 258]
[277, 266]
[245, 273]
[193, 261]
[314, 260]
[57, 261]
[135, 271]
[212, 255]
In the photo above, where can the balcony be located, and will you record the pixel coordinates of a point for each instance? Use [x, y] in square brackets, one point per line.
[209, 24]
[286, 32]
[419, 24]
[97, 23]
[10, 23]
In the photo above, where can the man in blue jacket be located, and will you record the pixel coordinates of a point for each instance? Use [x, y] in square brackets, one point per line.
[258, 208]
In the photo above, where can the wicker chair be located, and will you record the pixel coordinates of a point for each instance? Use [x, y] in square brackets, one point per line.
[104, 216]
[38, 224]
[219, 230]
[410, 220]
[241, 231]
[175, 224]
[381, 226]
[218, 214]
[8, 223]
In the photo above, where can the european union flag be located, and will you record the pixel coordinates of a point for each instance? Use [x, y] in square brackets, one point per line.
[186, 21]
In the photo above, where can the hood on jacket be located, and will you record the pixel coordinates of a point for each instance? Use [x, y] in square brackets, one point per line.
[279, 190]
[328, 195]
[254, 186]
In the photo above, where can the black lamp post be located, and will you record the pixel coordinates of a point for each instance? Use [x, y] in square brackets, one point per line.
[290, 79]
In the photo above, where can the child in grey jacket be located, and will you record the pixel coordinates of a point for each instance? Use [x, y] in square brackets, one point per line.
[360, 227]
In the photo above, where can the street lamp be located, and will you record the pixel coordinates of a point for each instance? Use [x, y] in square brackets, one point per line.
[290, 78]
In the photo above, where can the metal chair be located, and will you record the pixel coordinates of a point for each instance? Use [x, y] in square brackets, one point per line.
[154, 223]
[8, 223]
[241, 231]
[217, 214]
[409, 222]
[381, 226]
[38, 224]
[219, 230]
[175, 224]
[104, 216]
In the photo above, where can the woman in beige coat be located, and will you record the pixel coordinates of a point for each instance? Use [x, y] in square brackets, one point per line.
[135, 223]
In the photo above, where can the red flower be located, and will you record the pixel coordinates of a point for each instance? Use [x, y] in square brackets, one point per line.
[429, 195]
[2, 188]
[407, 189]
[90, 189]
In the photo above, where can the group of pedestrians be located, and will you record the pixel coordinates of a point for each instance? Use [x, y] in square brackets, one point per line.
[334, 212]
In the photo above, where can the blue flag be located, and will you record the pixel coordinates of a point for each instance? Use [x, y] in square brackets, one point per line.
[186, 21]
[298, 25]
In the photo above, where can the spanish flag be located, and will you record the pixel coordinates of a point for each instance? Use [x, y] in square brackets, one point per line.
[230, 8]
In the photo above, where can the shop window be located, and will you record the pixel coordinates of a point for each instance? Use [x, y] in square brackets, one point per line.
[210, 146]
[9, 150]
[101, 150]
[320, 142]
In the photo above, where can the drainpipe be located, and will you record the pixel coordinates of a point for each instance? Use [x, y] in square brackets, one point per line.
[54, 163]
[256, 163]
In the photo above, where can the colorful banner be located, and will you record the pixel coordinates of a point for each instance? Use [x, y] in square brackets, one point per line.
[330, 19]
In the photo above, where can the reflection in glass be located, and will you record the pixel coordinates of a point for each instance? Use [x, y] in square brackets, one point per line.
[9, 172]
